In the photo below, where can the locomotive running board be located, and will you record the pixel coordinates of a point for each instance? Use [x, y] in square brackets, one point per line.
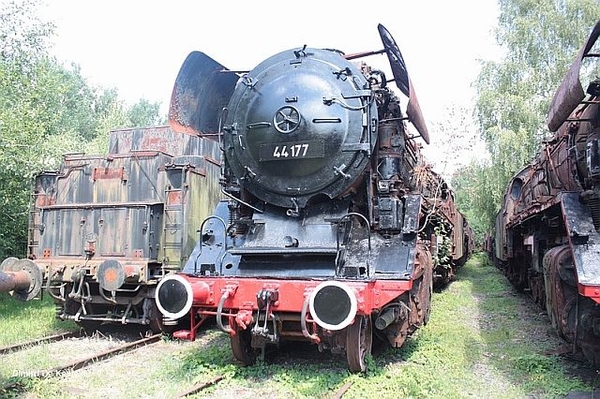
[583, 238]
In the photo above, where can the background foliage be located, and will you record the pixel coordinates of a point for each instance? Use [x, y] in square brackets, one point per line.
[539, 40]
[46, 109]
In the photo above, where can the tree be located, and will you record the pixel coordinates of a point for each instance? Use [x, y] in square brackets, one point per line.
[145, 113]
[539, 40]
[473, 199]
[23, 40]
[455, 141]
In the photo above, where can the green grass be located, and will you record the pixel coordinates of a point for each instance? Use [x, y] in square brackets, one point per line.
[25, 321]
[481, 341]
[22, 321]
[516, 337]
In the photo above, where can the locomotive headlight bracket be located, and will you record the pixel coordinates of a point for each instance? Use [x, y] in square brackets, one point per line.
[333, 305]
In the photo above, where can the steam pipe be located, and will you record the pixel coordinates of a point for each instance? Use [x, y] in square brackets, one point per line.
[385, 319]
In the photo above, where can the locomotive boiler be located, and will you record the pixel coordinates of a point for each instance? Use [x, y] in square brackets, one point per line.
[333, 229]
[546, 237]
[104, 229]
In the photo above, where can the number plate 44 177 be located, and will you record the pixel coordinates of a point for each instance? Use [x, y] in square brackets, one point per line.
[292, 150]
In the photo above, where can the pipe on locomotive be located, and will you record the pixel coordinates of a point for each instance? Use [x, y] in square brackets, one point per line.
[332, 304]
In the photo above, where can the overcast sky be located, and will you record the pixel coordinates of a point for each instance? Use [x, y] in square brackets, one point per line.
[138, 46]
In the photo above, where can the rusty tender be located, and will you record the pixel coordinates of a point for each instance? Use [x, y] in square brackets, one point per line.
[334, 230]
[104, 229]
[546, 237]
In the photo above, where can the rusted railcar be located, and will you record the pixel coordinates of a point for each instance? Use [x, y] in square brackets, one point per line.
[453, 246]
[104, 229]
[546, 237]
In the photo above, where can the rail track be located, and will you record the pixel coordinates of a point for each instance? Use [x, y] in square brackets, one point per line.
[342, 391]
[18, 384]
[50, 338]
[199, 387]
[203, 385]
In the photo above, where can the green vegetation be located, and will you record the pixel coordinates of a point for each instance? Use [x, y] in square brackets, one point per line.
[23, 321]
[482, 337]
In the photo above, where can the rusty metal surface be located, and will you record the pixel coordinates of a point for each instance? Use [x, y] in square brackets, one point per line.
[21, 277]
[202, 88]
[547, 233]
[536, 187]
[110, 206]
[570, 92]
[159, 138]
[13, 281]
[586, 254]
[117, 205]
[104, 229]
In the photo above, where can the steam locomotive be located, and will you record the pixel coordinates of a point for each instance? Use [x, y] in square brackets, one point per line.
[546, 237]
[334, 229]
[103, 229]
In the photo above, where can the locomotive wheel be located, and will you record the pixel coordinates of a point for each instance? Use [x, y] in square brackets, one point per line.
[241, 346]
[563, 294]
[156, 323]
[359, 340]
[423, 288]
[424, 294]
[588, 334]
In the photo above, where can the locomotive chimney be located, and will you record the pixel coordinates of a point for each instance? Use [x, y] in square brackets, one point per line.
[176, 294]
